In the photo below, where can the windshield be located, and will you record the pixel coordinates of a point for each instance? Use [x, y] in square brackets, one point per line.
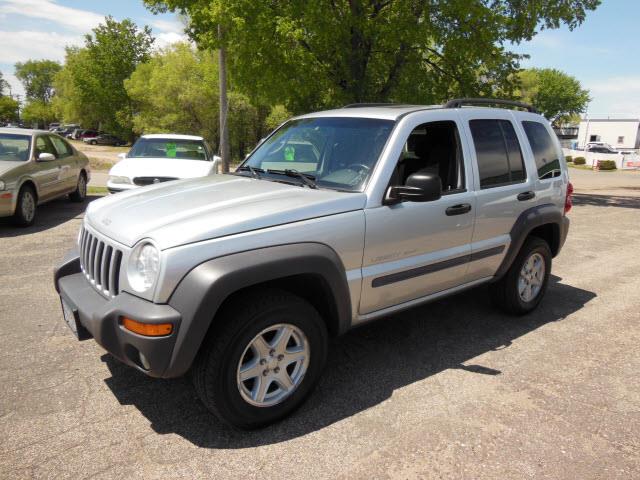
[336, 152]
[168, 148]
[14, 147]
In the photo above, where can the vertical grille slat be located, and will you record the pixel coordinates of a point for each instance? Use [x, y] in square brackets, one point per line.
[91, 260]
[97, 273]
[100, 263]
[104, 269]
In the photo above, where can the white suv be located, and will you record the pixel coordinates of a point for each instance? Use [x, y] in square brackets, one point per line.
[336, 219]
[158, 158]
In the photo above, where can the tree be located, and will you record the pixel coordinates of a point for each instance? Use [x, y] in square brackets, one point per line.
[278, 115]
[37, 77]
[38, 112]
[95, 75]
[8, 109]
[177, 91]
[308, 55]
[4, 86]
[558, 96]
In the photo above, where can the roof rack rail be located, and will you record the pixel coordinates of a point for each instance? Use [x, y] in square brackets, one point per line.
[459, 102]
[363, 105]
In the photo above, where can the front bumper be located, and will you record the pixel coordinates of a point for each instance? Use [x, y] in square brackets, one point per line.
[100, 318]
[7, 203]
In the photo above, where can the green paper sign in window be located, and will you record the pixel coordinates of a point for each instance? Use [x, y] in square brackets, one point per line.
[171, 150]
[289, 153]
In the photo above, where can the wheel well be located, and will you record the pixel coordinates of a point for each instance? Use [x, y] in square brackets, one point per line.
[550, 233]
[311, 287]
[29, 183]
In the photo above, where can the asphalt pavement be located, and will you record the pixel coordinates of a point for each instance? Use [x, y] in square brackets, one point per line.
[452, 389]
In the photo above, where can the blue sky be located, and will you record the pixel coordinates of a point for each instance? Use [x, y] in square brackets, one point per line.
[602, 53]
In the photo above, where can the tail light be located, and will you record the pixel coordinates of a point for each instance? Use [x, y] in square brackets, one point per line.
[568, 200]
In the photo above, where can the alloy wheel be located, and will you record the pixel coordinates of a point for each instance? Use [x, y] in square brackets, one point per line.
[273, 365]
[531, 277]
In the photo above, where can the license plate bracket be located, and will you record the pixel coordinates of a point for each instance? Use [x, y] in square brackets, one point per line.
[72, 319]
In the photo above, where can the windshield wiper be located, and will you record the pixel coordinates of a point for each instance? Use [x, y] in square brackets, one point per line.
[254, 171]
[306, 178]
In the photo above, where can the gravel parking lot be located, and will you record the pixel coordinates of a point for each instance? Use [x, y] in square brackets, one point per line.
[448, 390]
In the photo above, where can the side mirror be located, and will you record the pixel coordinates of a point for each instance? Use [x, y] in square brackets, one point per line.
[420, 187]
[46, 157]
[122, 156]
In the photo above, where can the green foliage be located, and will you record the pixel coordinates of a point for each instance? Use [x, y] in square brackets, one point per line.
[579, 161]
[176, 91]
[8, 109]
[4, 86]
[568, 158]
[607, 165]
[37, 77]
[278, 115]
[38, 112]
[91, 85]
[558, 96]
[308, 55]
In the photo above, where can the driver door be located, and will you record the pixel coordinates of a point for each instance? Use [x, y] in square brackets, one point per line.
[415, 249]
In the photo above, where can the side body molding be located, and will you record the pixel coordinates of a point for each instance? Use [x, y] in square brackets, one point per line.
[201, 292]
[547, 214]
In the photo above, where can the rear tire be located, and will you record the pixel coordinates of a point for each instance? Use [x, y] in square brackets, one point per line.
[80, 192]
[230, 354]
[93, 142]
[25, 213]
[521, 289]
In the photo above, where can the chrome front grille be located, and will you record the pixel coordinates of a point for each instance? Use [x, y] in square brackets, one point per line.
[100, 263]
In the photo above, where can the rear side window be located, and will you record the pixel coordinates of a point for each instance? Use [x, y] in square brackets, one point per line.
[498, 152]
[544, 151]
[62, 147]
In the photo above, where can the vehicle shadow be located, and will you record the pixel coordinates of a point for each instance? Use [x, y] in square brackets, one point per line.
[364, 369]
[622, 201]
[49, 215]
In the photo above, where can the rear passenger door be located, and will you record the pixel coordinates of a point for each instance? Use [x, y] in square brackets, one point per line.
[504, 185]
[68, 163]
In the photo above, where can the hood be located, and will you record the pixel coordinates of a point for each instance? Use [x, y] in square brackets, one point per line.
[185, 211]
[5, 166]
[161, 167]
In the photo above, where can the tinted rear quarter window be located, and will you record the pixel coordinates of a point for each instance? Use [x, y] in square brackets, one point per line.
[544, 151]
[498, 152]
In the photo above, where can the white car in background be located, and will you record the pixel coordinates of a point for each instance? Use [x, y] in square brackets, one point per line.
[160, 158]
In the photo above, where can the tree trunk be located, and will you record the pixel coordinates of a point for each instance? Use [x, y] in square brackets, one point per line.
[224, 107]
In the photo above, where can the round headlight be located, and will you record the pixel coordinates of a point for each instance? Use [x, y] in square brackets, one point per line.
[2, 185]
[143, 268]
[119, 179]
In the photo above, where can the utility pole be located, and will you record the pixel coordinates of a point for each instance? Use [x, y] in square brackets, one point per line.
[224, 106]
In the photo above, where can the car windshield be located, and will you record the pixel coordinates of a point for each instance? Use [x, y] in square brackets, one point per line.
[168, 148]
[336, 152]
[14, 147]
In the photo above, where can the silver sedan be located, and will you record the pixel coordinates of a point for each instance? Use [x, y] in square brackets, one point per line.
[37, 166]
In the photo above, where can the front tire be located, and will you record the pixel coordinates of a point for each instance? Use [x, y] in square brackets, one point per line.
[93, 142]
[264, 360]
[80, 192]
[25, 213]
[521, 289]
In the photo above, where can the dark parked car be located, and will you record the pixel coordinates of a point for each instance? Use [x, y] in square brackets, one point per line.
[105, 139]
[89, 134]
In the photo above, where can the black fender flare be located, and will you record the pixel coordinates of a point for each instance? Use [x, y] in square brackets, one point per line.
[202, 291]
[526, 222]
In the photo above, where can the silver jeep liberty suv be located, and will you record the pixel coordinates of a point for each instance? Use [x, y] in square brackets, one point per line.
[337, 218]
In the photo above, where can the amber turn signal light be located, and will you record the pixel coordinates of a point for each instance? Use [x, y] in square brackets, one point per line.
[147, 329]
